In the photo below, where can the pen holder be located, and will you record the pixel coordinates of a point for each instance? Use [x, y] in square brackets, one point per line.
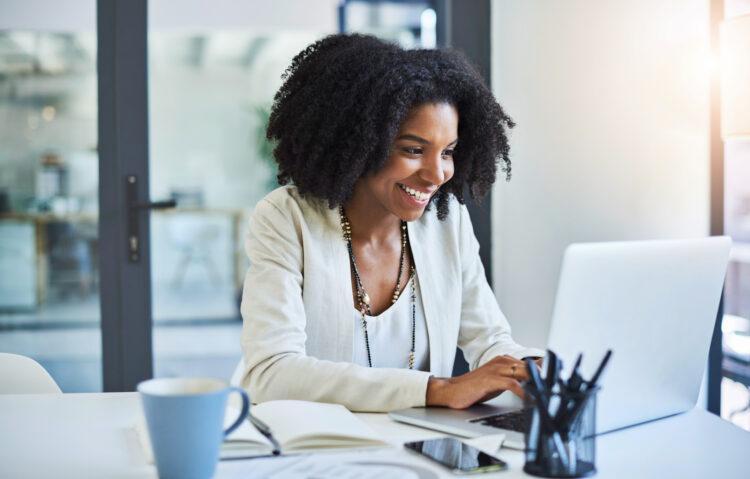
[562, 444]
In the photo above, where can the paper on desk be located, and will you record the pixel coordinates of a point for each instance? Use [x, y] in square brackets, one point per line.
[488, 444]
[228, 450]
[324, 466]
[141, 430]
[318, 467]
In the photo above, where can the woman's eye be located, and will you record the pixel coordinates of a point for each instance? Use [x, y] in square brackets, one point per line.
[413, 151]
[448, 152]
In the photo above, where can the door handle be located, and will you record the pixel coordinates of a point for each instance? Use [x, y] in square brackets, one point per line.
[155, 205]
[134, 208]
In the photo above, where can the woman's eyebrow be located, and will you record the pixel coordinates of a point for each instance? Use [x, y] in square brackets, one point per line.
[419, 139]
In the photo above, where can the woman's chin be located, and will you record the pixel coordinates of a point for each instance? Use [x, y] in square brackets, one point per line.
[410, 214]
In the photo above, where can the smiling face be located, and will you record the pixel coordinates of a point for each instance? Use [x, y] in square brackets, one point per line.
[420, 161]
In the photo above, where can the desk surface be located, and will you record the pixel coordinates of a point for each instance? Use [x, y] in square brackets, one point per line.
[91, 435]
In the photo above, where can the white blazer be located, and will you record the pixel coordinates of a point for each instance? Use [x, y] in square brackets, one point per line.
[297, 335]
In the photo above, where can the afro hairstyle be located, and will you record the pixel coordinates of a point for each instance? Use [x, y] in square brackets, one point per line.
[342, 102]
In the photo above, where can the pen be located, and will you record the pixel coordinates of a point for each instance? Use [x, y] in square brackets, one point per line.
[575, 380]
[536, 382]
[537, 390]
[532, 447]
[568, 392]
[266, 431]
[588, 392]
[599, 370]
[553, 368]
[574, 372]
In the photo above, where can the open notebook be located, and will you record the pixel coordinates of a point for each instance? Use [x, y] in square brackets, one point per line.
[299, 426]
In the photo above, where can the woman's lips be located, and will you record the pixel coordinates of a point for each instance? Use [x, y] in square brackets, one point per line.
[414, 193]
[419, 199]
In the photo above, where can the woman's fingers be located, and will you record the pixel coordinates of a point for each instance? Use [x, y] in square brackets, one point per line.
[503, 373]
[509, 384]
[518, 371]
[510, 367]
[524, 375]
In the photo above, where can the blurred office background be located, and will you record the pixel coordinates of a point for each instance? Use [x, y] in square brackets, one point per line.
[213, 71]
[612, 100]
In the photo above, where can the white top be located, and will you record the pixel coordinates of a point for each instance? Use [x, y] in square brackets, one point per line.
[389, 334]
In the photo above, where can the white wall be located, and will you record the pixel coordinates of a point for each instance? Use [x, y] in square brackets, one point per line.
[611, 100]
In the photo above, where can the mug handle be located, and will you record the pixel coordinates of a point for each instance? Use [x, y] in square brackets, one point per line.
[243, 412]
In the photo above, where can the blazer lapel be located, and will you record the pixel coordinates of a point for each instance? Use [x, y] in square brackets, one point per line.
[341, 287]
[426, 272]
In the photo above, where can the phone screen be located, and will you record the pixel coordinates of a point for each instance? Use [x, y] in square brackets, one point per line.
[456, 455]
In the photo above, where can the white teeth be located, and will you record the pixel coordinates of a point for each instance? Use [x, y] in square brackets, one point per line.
[416, 194]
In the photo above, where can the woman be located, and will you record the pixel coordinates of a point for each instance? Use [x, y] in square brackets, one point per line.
[365, 275]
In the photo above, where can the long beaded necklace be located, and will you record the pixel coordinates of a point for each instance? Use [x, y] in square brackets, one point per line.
[363, 299]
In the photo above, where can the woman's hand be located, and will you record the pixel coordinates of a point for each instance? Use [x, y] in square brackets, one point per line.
[503, 373]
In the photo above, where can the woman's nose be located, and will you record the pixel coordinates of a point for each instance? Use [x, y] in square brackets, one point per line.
[433, 170]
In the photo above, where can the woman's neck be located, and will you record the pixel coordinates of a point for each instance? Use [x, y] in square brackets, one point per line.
[370, 221]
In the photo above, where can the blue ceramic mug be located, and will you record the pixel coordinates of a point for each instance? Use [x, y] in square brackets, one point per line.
[185, 418]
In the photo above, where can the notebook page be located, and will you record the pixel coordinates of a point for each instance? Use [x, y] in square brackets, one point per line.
[245, 432]
[299, 423]
[243, 441]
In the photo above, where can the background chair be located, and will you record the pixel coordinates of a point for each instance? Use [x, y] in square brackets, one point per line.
[22, 375]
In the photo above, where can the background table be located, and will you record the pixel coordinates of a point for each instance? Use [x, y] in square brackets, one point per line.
[92, 435]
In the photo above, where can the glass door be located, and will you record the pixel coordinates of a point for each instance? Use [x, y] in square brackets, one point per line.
[735, 384]
[93, 280]
[735, 365]
[213, 72]
[49, 208]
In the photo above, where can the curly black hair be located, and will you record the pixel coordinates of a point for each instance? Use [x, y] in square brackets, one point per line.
[344, 98]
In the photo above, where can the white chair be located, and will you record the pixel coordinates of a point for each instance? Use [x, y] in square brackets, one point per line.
[22, 375]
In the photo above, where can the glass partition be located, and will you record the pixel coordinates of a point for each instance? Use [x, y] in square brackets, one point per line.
[411, 23]
[735, 386]
[210, 94]
[49, 278]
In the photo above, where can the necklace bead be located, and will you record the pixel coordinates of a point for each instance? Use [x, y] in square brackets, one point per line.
[362, 296]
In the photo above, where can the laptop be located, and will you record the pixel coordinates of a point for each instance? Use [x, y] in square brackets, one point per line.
[654, 303]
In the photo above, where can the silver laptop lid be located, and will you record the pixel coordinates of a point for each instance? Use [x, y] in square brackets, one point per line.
[654, 304]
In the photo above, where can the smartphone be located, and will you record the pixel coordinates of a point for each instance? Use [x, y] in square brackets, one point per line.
[457, 456]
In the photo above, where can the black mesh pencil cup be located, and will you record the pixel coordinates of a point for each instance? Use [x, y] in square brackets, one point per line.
[561, 443]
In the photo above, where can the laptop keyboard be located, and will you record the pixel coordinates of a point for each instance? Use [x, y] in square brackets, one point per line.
[513, 421]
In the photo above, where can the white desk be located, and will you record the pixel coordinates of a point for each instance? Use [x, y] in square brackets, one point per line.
[91, 435]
